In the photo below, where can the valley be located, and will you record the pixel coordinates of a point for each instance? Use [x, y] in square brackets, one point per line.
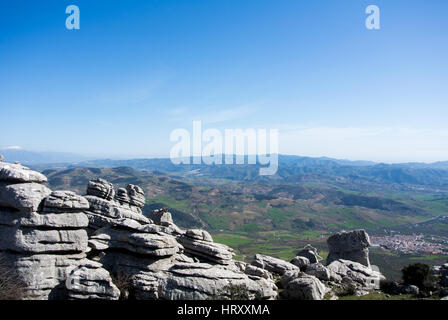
[279, 216]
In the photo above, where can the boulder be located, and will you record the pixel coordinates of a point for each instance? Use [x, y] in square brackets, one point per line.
[273, 265]
[304, 287]
[200, 281]
[301, 262]
[409, 289]
[351, 246]
[215, 252]
[161, 217]
[141, 243]
[90, 281]
[319, 271]
[199, 234]
[364, 276]
[101, 188]
[136, 195]
[122, 196]
[25, 197]
[29, 240]
[16, 173]
[64, 201]
[102, 212]
[310, 253]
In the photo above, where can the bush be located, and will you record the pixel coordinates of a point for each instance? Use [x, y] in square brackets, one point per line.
[419, 275]
[11, 286]
[124, 283]
[235, 292]
[389, 287]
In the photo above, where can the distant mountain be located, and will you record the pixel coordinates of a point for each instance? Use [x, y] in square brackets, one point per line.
[297, 169]
[33, 158]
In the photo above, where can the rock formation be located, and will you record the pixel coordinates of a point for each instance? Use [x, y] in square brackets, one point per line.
[158, 259]
[353, 246]
[101, 246]
[43, 238]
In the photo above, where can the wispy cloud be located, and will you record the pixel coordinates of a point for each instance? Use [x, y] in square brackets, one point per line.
[387, 144]
[12, 148]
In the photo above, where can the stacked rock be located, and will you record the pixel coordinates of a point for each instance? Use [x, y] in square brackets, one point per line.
[43, 237]
[200, 243]
[106, 206]
[158, 259]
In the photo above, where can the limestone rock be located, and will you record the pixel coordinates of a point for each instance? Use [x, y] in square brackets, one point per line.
[102, 212]
[50, 220]
[364, 276]
[44, 275]
[136, 195]
[142, 243]
[90, 281]
[304, 287]
[199, 281]
[301, 262]
[30, 240]
[122, 196]
[25, 197]
[206, 249]
[64, 201]
[273, 265]
[161, 217]
[16, 173]
[351, 246]
[310, 253]
[319, 271]
[199, 234]
[101, 188]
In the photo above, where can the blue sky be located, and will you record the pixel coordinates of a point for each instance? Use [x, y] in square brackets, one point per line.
[136, 70]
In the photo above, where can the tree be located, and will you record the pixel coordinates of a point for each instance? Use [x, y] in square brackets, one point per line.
[417, 274]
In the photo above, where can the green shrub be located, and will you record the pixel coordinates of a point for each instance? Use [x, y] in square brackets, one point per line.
[417, 274]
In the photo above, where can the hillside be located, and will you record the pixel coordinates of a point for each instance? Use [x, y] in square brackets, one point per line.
[262, 207]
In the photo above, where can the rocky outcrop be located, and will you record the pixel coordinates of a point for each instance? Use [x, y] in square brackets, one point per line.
[161, 217]
[302, 287]
[301, 262]
[273, 265]
[353, 246]
[310, 253]
[67, 246]
[16, 173]
[200, 243]
[364, 277]
[43, 237]
[160, 260]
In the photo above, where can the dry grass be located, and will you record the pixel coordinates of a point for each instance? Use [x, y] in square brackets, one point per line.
[123, 281]
[11, 286]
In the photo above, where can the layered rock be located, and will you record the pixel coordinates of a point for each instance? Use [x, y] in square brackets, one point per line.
[43, 236]
[200, 243]
[158, 259]
[299, 286]
[273, 265]
[310, 253]
[353, 245]
[364, 277]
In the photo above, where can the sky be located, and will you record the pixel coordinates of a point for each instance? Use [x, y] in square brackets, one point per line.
[137, 70]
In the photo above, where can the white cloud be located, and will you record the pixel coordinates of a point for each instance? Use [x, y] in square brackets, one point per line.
[12, 148]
